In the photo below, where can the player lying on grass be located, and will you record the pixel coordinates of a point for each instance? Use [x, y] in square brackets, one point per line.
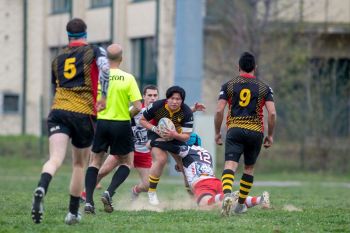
[198, 167]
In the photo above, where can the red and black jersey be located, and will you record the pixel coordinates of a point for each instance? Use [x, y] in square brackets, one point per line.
[182, 118]
[75, 76]
[246, 96]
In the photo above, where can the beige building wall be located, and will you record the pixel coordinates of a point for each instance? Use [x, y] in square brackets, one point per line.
[11, 70]
[35, 64]
[141, 24]
[120, 31]
[99, 24]
[166, 45]
[131, 20]
[314, 11]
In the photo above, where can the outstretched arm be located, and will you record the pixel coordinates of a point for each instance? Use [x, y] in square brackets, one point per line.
[198, 107]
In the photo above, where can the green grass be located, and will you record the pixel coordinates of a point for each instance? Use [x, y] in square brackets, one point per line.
[317, 207]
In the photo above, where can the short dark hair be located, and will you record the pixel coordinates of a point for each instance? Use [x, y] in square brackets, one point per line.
[149, 87]
[76, 25]
[247, 62]
[176, 89]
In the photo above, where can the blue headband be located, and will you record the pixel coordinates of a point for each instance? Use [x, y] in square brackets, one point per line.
[77, 35]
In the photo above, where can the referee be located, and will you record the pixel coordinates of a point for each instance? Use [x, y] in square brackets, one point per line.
[113, 130]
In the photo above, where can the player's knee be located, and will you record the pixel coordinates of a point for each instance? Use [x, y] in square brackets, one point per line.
[55, 162]
[125, 160]
[95, 161]
[79, 164]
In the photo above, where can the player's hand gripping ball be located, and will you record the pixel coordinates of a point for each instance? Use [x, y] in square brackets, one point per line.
[163, 125]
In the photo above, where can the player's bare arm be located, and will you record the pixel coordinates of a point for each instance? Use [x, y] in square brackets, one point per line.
[270, 106]
[136, 108]
[146, 124]
[219, 116]
[198, 107]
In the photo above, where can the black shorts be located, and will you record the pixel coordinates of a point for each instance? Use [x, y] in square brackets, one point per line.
[78, 126]
[244, 141]
[170, 146]
[117, 135]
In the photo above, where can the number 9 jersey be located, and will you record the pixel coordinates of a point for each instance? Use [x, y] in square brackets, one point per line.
[197, 164]
[246, 96]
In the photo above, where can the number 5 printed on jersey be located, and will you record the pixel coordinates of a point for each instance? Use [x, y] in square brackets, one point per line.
[70, 69]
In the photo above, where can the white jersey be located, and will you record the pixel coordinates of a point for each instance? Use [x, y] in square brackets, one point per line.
[140, 133]
[198, 164]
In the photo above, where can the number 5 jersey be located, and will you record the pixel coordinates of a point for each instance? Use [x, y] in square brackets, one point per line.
[75, 75]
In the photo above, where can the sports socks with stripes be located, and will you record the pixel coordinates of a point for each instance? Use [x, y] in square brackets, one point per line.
[227, 179]
[153, 182]
[252, 201]
[246, 184]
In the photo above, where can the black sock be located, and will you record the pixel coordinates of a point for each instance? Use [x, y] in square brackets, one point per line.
[44, 181]
[90, 184]
[74, 205]
[118, 178]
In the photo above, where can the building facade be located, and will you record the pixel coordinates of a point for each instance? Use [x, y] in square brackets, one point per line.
[32, 32]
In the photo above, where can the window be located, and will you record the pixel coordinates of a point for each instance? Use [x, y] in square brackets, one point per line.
[100, 3]
[10, 103]
[144, 61]
[61, 6]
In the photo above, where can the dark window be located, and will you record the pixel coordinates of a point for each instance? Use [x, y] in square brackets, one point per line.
[61, 6]
[144, 61]
[100, 3]
[10, 103]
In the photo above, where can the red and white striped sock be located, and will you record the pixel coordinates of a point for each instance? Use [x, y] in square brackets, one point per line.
[216, 199]
[252, 201]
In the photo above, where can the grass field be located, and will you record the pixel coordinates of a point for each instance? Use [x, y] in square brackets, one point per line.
[316, 204]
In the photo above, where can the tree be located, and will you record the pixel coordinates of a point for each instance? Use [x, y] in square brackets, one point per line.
[312, 92]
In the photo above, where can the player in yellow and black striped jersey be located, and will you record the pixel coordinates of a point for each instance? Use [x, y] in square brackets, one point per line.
[76, 72]
[246, 96]
[174, 108]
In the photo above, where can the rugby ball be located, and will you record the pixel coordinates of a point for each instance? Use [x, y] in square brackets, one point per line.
[163, 124]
